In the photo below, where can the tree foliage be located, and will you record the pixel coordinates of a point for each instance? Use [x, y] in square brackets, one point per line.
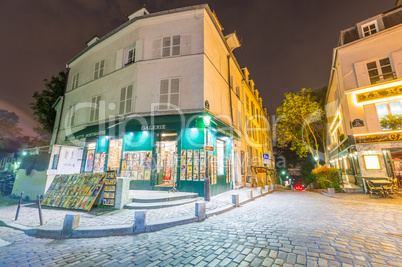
[9, 130]
[42, 107]
[301, 123]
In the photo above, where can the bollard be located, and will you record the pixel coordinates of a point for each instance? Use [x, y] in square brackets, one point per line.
[19, 206]
[250, 194]
[40, 211]
[200, 211]
[259, 190]
[236, 200]
[140, 218]
[70, 222]
[331, 191]
[267, 188]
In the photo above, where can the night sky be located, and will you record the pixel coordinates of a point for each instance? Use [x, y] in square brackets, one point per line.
[286, 45]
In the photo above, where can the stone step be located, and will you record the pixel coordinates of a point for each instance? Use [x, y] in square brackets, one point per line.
[159, 196]
[353, 190]
[160, 205]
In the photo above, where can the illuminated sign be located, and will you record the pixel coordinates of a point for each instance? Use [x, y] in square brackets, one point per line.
[378, 138]
[379, 94]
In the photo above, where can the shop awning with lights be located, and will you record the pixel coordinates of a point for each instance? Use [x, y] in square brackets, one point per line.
[153, 123]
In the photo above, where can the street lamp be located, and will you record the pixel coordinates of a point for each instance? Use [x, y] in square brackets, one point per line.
[207, 121]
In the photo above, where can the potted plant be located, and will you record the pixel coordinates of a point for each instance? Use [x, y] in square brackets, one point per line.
[391, 122]
[327, 177]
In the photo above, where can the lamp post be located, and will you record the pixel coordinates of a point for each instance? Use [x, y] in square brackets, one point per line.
[207, 193]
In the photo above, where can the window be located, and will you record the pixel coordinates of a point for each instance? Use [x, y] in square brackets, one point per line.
[252, 108]
[247, 107]
[75, 81]
[94, 115]
[126, 97]
[70, 116]
[393, 108]
[169, 93]
[220, 154]
[369, 28]
[380, 70]
[171, 46]
[238, 91]
[99, 69]
[129, 55]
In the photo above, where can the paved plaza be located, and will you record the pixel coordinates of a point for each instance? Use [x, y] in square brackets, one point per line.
[285, 228]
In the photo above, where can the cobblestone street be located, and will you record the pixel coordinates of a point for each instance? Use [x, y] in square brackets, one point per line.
[285, 228]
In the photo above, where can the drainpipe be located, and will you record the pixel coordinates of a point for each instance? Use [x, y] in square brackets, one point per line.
[230, 91]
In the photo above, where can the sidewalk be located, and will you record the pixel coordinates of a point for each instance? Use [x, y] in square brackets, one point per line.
[53, 217]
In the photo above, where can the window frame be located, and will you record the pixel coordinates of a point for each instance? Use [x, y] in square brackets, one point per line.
[169, 93]
[170, 48]
[368, 24]
[388, 109]
[127, 59]
[379, 68]
[70, 116]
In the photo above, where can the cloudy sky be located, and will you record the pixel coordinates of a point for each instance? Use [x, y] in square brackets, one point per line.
[286, 45]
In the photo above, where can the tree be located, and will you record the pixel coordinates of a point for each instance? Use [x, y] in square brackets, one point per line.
[301, 123]
[9, 131]
[42, 107]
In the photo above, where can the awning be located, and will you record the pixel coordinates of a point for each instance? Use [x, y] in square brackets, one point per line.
[153, 123]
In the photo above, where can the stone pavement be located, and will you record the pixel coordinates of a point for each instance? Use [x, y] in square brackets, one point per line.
[285, 228]
[54, 216]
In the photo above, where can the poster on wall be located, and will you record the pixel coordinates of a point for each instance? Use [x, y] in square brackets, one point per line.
[109, 192]
[99, 164]
[89, 165]
[113, 161]
[196, 165]
[189, 164]
[183, 159]
[202, 164]
[74, 191]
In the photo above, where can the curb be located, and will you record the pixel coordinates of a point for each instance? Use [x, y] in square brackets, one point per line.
[328, 195]
[55, 232]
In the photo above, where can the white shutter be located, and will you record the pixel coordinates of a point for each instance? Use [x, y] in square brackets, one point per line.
[361, 74]
[156, 48]
[372, 120]
[396, 58]
[138, 50]
[185, 42]
[119, 59]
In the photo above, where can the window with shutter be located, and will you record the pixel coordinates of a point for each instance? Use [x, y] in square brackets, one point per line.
[75, 81]
[99, 69]
[126, 96]
[171, 46]
[94, 114]
[70, 116]
[169, 94]
[380, 71]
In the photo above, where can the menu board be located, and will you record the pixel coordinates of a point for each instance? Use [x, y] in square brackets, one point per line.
[202, 164]
[100, 159]
[137, 165]
[74, 191]
[189, 164]
[109, 192]
[183, 159]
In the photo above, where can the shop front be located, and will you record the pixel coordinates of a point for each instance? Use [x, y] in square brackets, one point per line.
[159, 153]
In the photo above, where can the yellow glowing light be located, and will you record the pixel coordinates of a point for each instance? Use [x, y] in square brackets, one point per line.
[386, 132]
[336, 117]
[375, 87]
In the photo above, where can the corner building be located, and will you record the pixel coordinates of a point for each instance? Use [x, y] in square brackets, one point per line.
[366, 86]
[144, 99]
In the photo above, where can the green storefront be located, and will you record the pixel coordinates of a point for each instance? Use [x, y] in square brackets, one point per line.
[160, 152]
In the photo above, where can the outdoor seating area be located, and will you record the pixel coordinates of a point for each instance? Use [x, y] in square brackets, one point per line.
[382, 186]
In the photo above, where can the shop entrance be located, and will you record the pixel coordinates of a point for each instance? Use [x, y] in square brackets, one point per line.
[166, 159]
[394, 164]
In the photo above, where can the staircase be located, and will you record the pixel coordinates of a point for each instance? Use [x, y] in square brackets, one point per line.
[145, 200]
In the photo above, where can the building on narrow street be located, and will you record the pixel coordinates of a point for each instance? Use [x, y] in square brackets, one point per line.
[145, 99]
[365, 88]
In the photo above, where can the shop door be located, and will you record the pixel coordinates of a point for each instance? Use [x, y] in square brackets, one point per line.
[166, 163]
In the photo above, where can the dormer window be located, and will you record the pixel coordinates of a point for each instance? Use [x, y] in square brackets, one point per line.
[369, 28]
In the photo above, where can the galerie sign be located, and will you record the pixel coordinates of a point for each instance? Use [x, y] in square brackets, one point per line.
[379, 94]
